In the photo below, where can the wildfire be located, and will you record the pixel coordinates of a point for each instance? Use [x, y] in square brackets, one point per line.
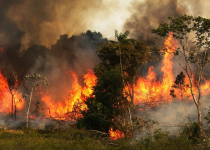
[6, 98]
[147, 90]
[150, 91]
[69, 109]
[115, 135]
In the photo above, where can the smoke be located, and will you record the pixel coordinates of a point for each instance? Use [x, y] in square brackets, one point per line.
[148, 15]
[42, 22]
[174, 115]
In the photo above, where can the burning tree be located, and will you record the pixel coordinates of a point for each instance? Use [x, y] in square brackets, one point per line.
[35, 80]
[192, 51]
[13, 83]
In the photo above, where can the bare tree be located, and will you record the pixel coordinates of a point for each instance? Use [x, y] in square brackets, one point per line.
[35, 80]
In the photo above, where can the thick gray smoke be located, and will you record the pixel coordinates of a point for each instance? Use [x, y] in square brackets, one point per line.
[43, 21]
[148, 15]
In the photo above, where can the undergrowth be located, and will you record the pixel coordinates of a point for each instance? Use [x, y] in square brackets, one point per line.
[78, 139]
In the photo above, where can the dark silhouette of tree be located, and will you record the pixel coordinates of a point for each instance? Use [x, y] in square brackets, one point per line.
[130, 54]
[107, 104]
[12, 80]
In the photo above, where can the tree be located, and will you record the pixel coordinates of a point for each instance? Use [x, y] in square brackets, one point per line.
[192, 51]
[12, 79]
[130, 54]
[107, 105]
[35, 80]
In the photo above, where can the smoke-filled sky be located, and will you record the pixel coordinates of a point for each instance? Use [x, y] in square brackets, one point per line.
[43, 21]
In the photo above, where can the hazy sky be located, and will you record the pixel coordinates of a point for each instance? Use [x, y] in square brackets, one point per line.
[113, 18]
[43, 21]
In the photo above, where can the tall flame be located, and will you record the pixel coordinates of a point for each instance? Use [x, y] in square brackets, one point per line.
[152, 92]
[6, 98]
[68, 108]
[148, 90]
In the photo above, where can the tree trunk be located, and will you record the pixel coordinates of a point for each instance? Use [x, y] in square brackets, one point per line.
[132, 94]
[200, 118]
[27, 113]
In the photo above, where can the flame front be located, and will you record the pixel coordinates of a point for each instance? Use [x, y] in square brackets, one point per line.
[115, 135]
[69, 108]
[6, 98]
[147, 91]
[150, 91]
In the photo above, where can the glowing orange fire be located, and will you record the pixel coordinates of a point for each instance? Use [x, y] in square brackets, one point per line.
[115, 135]
[147, 91]
[6, 98]
[150, 91]
[68, 109]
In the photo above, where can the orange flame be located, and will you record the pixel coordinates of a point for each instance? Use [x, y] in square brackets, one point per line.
[150, 91]
[70, 108]
[115, 135]
[6, 98]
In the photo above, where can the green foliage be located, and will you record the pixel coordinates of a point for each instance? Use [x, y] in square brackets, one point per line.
[191, 131]
[182, 26]
[63, 139]
[159, 139]
[73, 138]
[106, 104]
[122, 36]
[133, 55]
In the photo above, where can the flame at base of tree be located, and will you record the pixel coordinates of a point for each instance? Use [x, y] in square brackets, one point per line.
[6, 97]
